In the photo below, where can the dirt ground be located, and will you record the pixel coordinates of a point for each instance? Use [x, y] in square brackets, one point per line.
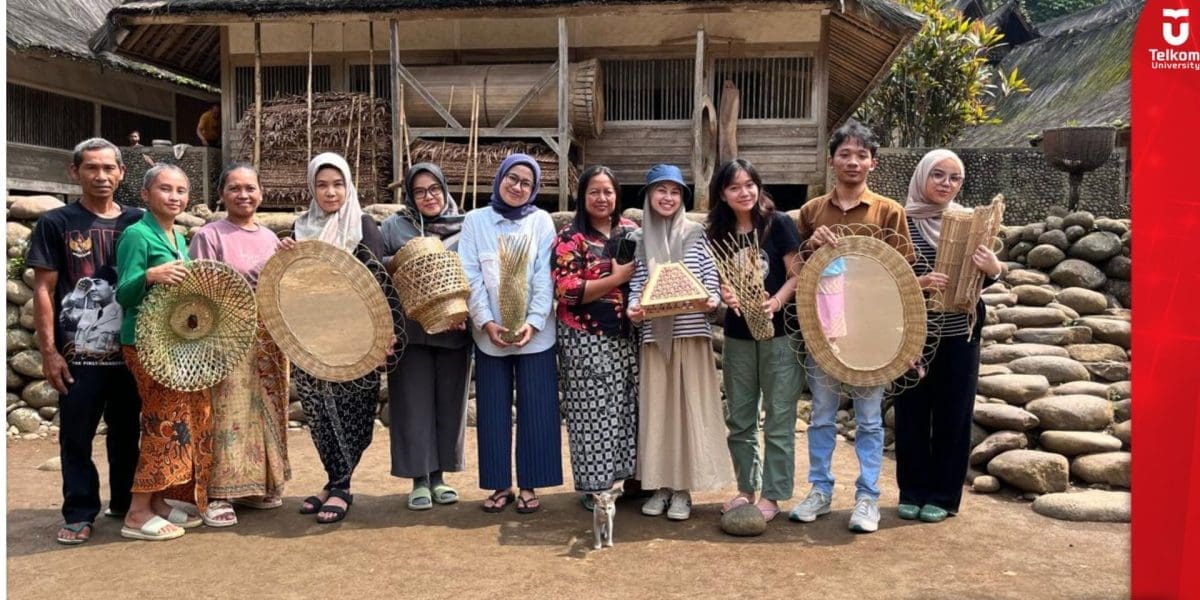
[996, 548]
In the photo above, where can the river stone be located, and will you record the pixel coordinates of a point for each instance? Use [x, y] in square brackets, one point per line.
[19, 339]
[1122, 410]
[1097, 246]
[18, 293]
[1031, 316]
[1073, 272]
[999, 299]
[383, 210]
[1110, 468]
[1086, 353]
[29, 208]
[999, 333]
[1014, 389]
[1074, 443]
[1003, 353]
[1081, 218]
[1120, 390]
[1066, 310]
[277, 222]
[1098, 506]
[1090, 388]
[14, 315]
[999, 417]
[989, 370]
[15, 382]
[998, 287]
[1078, 412]
[17, 234]
[1056, 238]
[1121, 291]
[1074, 232]
[40, 394]
[1031, 232]
[745, 520]
[1108, 370]
[52, 464]
[1033, 295]
[1119, 267]
[1054, 336]
[1057, 369]
[26, 420]
[1111, 225]
[1122, 432]
[1044, 256]
[978, 434]
[1111, 331]
[1082, 301]
[989, 316]
[1031, 470]
[28, 363]
[14, 400]
[26, 317]
[220, 214]
[29, 276]
[1026, 277]
[985, 484]
[1019, 251]
[995, 444]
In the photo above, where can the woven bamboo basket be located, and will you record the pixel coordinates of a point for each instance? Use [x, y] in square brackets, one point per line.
[742, 271]
[191, 336]
[962, 232]
[432, 284]
[514, 253]
[673, 290]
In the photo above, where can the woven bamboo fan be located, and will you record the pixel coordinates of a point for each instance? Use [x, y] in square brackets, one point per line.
[514, 253]
[741, 268]
[325, 310]
[881, 302]
[673, 290]
[432, 284]
[962, 232]
[190, 336]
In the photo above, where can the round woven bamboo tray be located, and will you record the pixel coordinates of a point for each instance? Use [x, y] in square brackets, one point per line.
[325, 311]
[190, 336]
[432, 284]
[912, 302]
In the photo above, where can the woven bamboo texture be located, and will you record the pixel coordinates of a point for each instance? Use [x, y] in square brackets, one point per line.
[962, 232]
[515, 254]
[337, 325]
[452, 158]
[742, 271]
[432, 284]
[673, 290]
[190, 336]
[956, 228]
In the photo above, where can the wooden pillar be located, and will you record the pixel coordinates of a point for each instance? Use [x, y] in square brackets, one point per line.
[699, 181]
[312, 37]
[820, 106]
[564, 123]
[397, 97]
[257, 93]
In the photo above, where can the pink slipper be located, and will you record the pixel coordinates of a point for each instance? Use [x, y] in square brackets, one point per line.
[768, 513]
[737, 501]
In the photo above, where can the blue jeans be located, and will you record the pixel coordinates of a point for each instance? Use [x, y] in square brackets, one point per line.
[822, 432]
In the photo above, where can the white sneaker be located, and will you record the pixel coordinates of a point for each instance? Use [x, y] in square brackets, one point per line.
[865, 518]
[681, 506]
[657, 503]
[815, 504]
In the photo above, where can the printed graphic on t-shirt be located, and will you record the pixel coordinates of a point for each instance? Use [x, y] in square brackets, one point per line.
[90, 320]
[88, 248]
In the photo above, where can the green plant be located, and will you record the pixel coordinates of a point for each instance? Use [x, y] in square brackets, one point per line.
[941, 83]
[16, 266]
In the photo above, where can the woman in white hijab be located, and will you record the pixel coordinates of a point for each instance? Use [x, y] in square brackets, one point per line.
[933, 418]
[341, 416]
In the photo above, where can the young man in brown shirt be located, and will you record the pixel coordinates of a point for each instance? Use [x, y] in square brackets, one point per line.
[852, 156]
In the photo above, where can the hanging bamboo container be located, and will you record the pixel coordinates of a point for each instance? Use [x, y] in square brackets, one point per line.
[432, 284]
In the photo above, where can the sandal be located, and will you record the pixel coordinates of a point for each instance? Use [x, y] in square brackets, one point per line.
[444, 494]
[314, 505]
[216, 513]
[339, 513]
[738, 500]
[152, 530]
[530, 505]
[181, 516]
[770, 512]
[77, 529]
[500, 500]
[420, 499]
[258, 502]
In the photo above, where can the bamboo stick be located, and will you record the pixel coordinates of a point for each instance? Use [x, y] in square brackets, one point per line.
[312, 36]
[475, 162]
[257, 94]
[470, 141]
[449, 109]
[371, 91]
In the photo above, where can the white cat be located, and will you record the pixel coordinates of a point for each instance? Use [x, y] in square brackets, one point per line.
[605, 508]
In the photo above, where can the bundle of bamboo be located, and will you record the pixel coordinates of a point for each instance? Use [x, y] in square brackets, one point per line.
[349, 124]
[456, 162]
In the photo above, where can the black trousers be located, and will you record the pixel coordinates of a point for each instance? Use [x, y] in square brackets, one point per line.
[98, 392]
[933, 426]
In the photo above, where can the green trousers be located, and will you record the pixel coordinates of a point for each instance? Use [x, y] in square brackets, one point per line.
[762, 376]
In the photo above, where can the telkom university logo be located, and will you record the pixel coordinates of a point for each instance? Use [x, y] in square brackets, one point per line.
[1175, 26]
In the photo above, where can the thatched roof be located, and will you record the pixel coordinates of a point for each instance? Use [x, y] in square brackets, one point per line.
[1079, 73]
[65, 27]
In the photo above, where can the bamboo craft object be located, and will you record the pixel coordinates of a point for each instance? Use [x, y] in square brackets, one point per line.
[962, 232]
[673, 290]
[741, 269]
[956, 227]
[432, 284]
[514, 254]
[984, 228]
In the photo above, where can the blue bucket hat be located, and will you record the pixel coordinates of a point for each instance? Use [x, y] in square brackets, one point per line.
[662, 172]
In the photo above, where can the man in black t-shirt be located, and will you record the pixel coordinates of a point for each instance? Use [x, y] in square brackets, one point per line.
[78, 322]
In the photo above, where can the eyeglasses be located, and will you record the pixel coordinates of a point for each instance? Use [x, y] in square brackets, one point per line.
[433, 191]
[517, 182]
[942, 177]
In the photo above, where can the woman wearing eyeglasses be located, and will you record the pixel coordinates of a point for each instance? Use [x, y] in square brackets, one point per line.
[427, 392]
[528, 363]
[933, 418]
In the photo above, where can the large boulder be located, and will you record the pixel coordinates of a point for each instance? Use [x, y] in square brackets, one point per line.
[1120, 390]
[1032, 231]
[26, 315]
[998, 333]
[25, 419]
[1014, 389]
[17, 234]
[1031, 470]
[1072, 413]
[1097, 352]
[1074, 272]
[1091, 388]
[1119, 267]
[1116, 226]
[985, 484]
[1111, 468]
[1111, 331]
[1056, 238]
[1026, 277]
[1087, 506]
[1057, 369]
[1074, 232]
[1033, 295]
[1123, 432]
[1121, 291]
[989, 370]
[1097, 246]
[15, 382]
[1122, 410]
[745, 520]
[1031, 316]
[1002, 299]
[1056, 336]
[1044, 256]
[29, 208]
[995, 444]
[1082, 301]
[276, 222]
[997, 417]
[40, 394]
[1074, 443]
[19, 339]
[28, 363]
[1003, 353]
[18, 293]
[1081, 218]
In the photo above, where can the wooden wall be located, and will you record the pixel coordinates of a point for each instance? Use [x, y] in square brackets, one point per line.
[783, 152]
[38, 169]
[629, 148]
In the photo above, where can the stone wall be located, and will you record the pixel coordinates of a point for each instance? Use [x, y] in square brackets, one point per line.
[1029, 184]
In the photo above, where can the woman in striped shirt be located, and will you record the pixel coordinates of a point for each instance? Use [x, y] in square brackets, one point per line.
[681, 436]
[933, 418]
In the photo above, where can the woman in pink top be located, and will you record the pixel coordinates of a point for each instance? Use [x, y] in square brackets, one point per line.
[250, 408]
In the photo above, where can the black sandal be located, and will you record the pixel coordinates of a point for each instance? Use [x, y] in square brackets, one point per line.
[506, 495]
[529, 505]
[339, 513]
[313, 501]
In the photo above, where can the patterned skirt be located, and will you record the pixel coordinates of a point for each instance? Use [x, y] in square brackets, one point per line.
[341, 419]
[598, 377]
[176, 447]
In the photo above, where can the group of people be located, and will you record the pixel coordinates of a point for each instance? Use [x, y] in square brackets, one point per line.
[640, 395]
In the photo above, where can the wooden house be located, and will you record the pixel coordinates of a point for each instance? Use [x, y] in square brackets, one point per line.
[60, 92]
[658, 71]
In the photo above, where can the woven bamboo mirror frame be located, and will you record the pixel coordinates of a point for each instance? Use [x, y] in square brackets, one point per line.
[325, 310]
[912, 319]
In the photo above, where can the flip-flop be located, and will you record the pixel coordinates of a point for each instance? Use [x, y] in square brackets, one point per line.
[420, 493]
[76, 528]
[217, 509]
[739, 500]
[152, 530]
[528, 506]
[441, 491]
[184, 518]
[263, 503]
[497, 497]
[768, 514]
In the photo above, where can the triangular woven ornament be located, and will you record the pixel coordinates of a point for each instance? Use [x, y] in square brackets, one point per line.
[673, 290]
